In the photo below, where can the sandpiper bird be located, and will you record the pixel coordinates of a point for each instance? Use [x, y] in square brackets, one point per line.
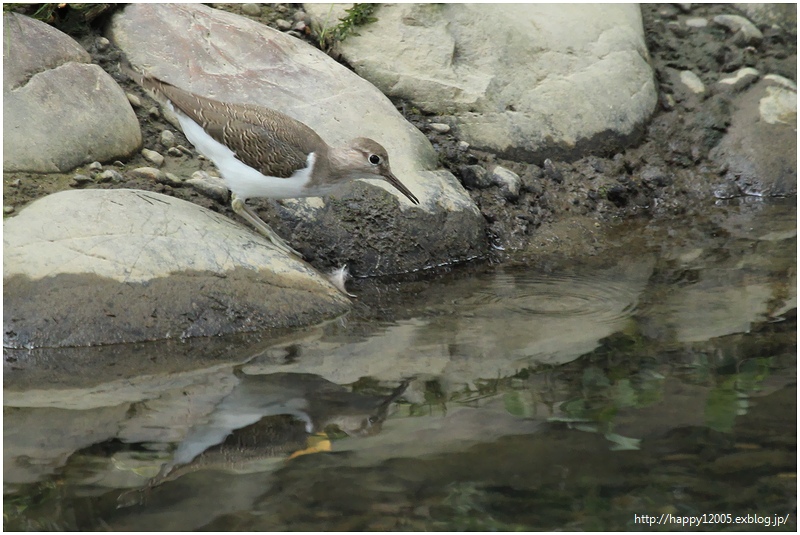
[262, 152]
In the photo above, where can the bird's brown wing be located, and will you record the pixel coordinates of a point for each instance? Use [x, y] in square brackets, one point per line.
[263, 138]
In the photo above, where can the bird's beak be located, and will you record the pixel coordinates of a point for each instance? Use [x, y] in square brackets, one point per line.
[391, 179]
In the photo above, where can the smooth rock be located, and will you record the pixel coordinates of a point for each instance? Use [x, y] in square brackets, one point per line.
[102, 44]
[283, 25]
[508, 181]
[167, 138]
[148, 173]
[254, 10]
[153, 157]
[693, 82]
[524, 81]
[8, 209]
[740, 79]
[739, 24]
[96, 267]
[171, 41]
[172, 180]
[135, 101]
[95, 167]
[439, 128]
[48, 86]
[696, 22]
[110, 175]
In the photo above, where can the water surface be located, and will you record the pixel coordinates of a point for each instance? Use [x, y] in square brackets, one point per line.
[655, 382]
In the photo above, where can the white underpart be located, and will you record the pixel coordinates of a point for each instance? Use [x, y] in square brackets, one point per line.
[244, 181]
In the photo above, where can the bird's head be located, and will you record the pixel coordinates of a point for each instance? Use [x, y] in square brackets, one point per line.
[372, 160]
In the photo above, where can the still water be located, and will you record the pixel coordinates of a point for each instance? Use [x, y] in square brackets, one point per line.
[656, 383]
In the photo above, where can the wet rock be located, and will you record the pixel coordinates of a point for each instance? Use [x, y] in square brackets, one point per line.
[211, 187]
[475, 177]
[153, 157]
[746, 30]
[759, 148]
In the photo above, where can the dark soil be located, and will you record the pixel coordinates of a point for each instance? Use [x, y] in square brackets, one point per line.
[565, 209]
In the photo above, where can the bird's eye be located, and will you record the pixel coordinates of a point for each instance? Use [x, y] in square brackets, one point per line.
[374, 159]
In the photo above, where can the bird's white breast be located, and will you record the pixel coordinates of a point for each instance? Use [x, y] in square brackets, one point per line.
[244, 181]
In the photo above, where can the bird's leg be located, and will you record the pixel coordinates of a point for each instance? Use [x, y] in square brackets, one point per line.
[246, 212]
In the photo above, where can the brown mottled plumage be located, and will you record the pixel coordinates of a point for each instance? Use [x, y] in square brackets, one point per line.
[282, 157]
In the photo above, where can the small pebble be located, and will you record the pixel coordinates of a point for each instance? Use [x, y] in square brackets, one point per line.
[95, 166]
[693, 82]
[175, 152]
[299, 15]
[508, 181]
[254, 10]
[740, 79]
[172, 180]
[551, 172]
[696, 22]
[135, 101]
[102, 44]
[299, 26]
[209, 186]
[475, 177]
[296, 35]
[441, 128]
[153, 112]
[167, 138]
[283, 25]
[184, 150]
[118, 163]
[8, 209]
[80, 180]
[147, 173]
[463, 146]
[153, 157]
[15, 183]
[110, 175]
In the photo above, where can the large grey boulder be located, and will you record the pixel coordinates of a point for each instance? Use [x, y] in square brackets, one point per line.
[59, 110]
[92, 267]
[525, 81]
[231, 58]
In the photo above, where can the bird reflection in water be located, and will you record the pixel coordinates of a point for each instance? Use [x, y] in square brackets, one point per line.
[272, 417]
